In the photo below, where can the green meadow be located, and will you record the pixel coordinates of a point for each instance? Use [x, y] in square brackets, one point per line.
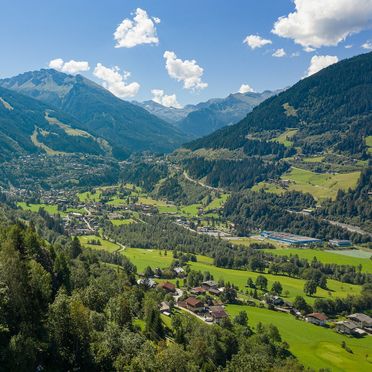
[316, 347]
[285, 138]
[325, 257]
[105, 244]
[319, 185]
[156, 258]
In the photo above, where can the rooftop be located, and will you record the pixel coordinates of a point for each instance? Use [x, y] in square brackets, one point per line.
[319, 316]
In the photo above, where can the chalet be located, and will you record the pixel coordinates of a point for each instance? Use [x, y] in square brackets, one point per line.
[147, 282]
[214, 291]
[165, 308]
[361, 320]
[194, 304]
[179, 271]
[168, 287]
[218, 313]
[317, 318]
[349, 328]
[209, 284]
[198, 290]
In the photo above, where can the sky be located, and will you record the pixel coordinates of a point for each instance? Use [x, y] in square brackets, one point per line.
[180, 52]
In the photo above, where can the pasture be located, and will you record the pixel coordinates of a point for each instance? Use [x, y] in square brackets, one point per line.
[314, 346]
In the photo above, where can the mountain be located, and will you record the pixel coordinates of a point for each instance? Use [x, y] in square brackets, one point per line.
[127, 127]
[28, 126]
[328, 111]
[206, 117]
[218, 113]
[169, 114]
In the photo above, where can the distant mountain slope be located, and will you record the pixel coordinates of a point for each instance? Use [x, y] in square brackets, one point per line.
[206, 117]
[127, 127]
[169, 114]
[331, 110]
[218, 113]
[28, 126]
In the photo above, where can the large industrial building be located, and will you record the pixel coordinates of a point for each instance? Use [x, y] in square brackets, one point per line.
[290, 239]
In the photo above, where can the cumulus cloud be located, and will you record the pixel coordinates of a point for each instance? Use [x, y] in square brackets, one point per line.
[115, 82]
[279, 53]
[256, 41]
[140, 30]
[367, 45]
[165, 100]
[187, 71]
[70, 67]
[318, 23]
[348, 46]
[245, 88]
[317, 63]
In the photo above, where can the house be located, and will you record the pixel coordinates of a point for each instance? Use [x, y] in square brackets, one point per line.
[361, 320]
[194, 304]
[214, 291]
[168, 287]
[317, 318]
[147, 282]
[198, 290]
[218, 313]
[209, 284]
[349, 328]
[165, 308]
[340, 243]
[179, 271]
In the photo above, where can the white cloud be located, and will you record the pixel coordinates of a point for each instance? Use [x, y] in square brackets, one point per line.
[317, 63]
[140, 30]
[70, 67]
[116, 82]
[256, 41]
[348, 46]
[187, 71]
[279, 53]
[165, 100]
[367, 45]
[295, 54]
[245, 88]
[317, 23]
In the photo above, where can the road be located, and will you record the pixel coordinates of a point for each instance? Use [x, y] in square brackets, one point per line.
[201, 183]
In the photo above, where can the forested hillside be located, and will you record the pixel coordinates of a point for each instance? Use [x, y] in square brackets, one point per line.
[331, 110]
[127, 127]
[28, 126]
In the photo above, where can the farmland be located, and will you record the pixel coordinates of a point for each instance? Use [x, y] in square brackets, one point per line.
[315, 346]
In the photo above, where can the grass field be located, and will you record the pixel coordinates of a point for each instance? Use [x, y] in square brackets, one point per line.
[84, 196]
[325, 257]
[105, 244]
[313, 159]
[51, 209]
[315, 347]
[151, 257]
[368, 140]
[320, 185]
[127, 221]
[285, 137]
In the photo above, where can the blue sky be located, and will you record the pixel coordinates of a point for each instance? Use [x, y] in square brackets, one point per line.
[211, 32]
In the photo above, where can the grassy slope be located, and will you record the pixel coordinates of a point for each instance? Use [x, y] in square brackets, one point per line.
[316, 347]
[105, 244]
[147, 257]
[325, 257]
[320, 185]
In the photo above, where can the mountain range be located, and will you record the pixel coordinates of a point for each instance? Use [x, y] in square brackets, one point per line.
[206, 117]
[126, 127]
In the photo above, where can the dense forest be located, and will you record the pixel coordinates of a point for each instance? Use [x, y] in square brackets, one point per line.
[63, 308]
[234, 175]
[252, 211]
